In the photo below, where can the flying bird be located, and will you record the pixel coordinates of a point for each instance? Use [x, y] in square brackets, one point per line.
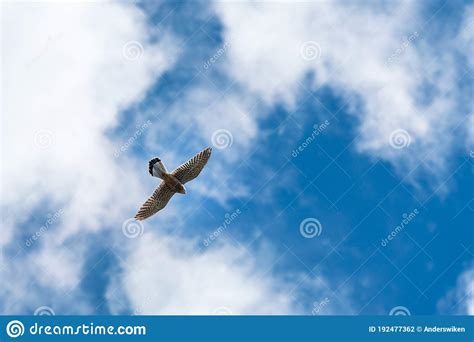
[171, 182]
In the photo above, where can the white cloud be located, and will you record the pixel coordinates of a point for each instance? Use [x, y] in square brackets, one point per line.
[65, 79]
[465, 44]
[166, 275]
[48, 275]
[466, 35]
[460, 300]
[374, 57]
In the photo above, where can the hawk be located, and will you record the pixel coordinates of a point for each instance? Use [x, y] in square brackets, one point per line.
[171, 182]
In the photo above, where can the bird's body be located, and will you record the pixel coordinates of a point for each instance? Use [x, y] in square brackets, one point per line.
[171, 182]
[156, 168]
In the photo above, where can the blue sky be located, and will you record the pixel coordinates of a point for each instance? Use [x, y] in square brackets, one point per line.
[267, 75]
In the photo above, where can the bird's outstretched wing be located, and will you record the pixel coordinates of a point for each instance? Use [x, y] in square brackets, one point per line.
[191, 169]
[157, 201]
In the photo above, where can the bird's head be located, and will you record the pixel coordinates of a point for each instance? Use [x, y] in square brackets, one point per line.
[181, 189]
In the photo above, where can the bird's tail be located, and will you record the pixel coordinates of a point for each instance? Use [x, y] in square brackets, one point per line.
[156, 168]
